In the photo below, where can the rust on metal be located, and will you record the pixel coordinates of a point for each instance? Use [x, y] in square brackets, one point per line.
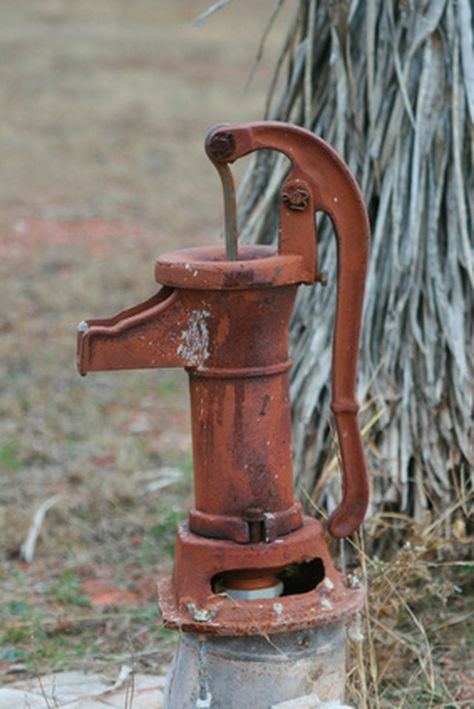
[188, 601]
[223, 315]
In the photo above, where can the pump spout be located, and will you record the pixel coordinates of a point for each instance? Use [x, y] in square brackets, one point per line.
[145, 336]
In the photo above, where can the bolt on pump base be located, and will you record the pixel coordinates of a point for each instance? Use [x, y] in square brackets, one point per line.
[248, 563]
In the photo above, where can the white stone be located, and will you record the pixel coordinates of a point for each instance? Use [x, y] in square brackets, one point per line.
[77, 690]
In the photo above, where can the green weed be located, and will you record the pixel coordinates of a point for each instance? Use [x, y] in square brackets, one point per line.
[68, 590]
[9, 457]
[19, 608]
[14, 635]
[169, 520]
[186, 465]
[169, 383]
[12, 654]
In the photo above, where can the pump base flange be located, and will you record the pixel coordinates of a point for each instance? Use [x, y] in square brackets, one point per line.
[188, 602]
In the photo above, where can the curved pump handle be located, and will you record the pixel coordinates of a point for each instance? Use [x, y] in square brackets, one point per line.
[319, 180]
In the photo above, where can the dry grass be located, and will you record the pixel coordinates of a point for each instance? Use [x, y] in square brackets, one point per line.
[412, 646]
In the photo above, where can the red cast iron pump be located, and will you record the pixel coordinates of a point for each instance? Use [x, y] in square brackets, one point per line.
[224, 316]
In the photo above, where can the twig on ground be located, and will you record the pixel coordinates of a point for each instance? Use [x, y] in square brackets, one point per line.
[28, 548]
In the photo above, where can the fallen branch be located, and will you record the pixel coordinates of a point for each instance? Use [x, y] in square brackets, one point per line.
[28, 548]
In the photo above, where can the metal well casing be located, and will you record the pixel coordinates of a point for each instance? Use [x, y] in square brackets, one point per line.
[258, 671]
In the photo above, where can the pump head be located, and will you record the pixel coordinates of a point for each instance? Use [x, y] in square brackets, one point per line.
[223, 315]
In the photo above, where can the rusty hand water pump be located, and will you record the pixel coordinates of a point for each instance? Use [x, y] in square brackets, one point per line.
[247, 560]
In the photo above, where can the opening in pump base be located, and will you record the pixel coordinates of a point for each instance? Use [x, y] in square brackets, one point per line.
[195, 598]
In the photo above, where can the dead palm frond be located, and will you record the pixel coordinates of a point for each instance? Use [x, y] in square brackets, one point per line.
[391, 86]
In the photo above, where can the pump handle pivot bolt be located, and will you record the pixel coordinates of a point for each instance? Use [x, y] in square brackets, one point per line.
[296, 198]
[221, 145]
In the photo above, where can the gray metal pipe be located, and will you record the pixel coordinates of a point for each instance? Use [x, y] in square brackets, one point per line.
[256, 671]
